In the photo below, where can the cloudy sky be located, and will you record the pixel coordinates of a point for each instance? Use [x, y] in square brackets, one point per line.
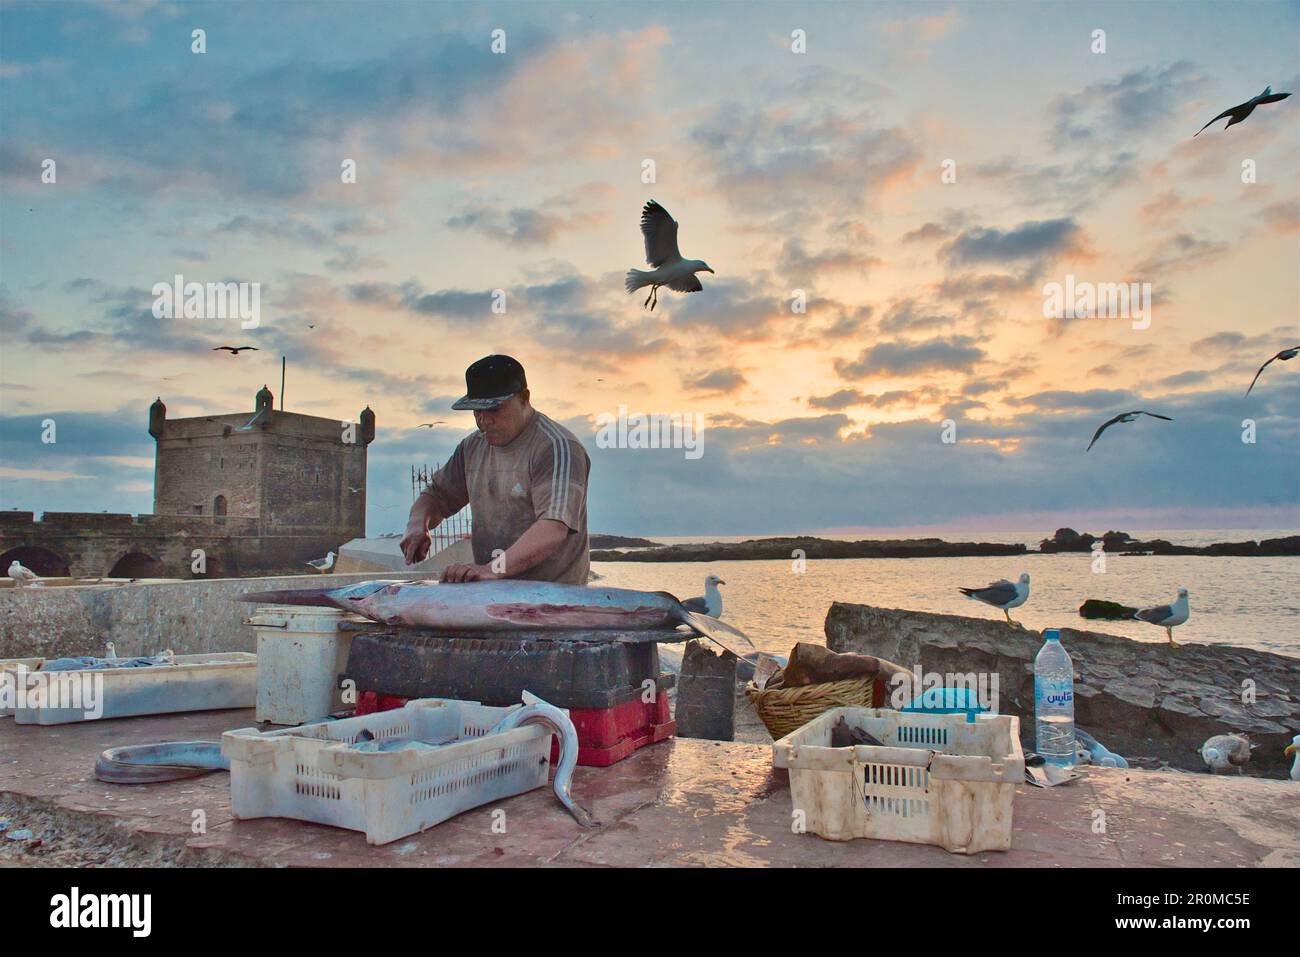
[919, 174]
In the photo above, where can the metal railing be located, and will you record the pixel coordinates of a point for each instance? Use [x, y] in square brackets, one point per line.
[450, 530]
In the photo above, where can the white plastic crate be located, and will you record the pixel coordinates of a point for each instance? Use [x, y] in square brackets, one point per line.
[939, 779]
[311, 774]
[209, 682]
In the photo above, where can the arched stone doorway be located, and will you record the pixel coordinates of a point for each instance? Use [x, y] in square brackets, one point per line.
[44, 562]
[136, 565]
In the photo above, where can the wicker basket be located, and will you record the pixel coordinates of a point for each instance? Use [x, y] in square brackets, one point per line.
[784, 710]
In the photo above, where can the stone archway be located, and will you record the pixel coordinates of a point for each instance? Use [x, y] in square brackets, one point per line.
[136, 565]
[44, 562]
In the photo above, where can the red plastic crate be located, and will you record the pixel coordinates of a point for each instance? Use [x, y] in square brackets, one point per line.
[605, 735]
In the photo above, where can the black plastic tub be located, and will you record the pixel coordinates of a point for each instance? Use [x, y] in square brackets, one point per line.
[413, 663]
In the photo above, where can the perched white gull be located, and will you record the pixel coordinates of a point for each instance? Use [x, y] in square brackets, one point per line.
[711, 603]
[1225, 751]
[1002, 594]
[1122, 417]
[661, 252]
[323, 565]
[21, 574]
[1294, 748]
[1284, 355]
[1243, 110]
[1167, 616]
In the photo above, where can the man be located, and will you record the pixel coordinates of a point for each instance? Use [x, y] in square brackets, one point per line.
[524, 476]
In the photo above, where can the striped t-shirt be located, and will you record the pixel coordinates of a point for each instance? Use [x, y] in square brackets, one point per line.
[541, 473]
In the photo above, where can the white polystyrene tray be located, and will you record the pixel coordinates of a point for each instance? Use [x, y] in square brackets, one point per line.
[194, 683]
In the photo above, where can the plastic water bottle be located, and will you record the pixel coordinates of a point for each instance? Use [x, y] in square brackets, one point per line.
[1054, 701]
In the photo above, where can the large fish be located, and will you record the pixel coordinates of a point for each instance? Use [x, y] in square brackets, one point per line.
[510, 605]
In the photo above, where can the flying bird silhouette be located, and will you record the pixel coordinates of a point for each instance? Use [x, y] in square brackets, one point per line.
[1243, 110]
[1122, 417]
[661, 252]
[235, 350]
[1284, 355]
[429, 425]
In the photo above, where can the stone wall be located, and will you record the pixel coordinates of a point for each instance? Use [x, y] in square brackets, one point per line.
[1146, 701]
[91, 545]
[194, 617]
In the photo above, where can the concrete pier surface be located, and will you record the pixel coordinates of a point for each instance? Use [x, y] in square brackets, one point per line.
[678, 803]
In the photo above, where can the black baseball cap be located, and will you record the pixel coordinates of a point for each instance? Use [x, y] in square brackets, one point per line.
[491, 381]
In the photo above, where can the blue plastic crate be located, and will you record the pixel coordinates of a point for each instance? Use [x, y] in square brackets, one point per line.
[947, 701]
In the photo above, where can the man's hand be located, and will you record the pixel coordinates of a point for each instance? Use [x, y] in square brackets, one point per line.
[469, 573]
[416, 543]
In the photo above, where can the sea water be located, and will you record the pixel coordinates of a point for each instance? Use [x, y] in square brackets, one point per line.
[1054, 701]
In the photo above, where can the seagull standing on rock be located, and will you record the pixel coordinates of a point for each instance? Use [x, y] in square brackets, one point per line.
[661, 252]
[1167, 616]
[711, 603]
[1294, 748]
[1002, 594]
[1225, 751]
[21, 574]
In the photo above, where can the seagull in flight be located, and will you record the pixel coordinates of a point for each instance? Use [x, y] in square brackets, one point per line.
[1122, 417]
[236, 350]
[1284, 355]
[429, 425]
[1002, 594]
[1243, 110]
[661, 252]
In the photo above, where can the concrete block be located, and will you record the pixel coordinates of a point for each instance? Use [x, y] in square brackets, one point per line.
[706, 694]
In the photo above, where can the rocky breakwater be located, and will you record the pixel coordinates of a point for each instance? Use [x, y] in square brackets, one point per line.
[1151, 703]
[1068, 540]
[759, 549]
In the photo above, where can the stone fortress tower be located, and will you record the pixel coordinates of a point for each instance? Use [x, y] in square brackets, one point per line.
[290, 474]
[255, 494]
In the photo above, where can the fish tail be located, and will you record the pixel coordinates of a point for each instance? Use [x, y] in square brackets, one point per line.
[718, 632]
[292, 596]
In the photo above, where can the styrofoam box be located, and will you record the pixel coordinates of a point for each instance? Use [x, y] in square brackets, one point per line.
[7, 668]
[311, 774]
[194, 683]
[938, 779]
